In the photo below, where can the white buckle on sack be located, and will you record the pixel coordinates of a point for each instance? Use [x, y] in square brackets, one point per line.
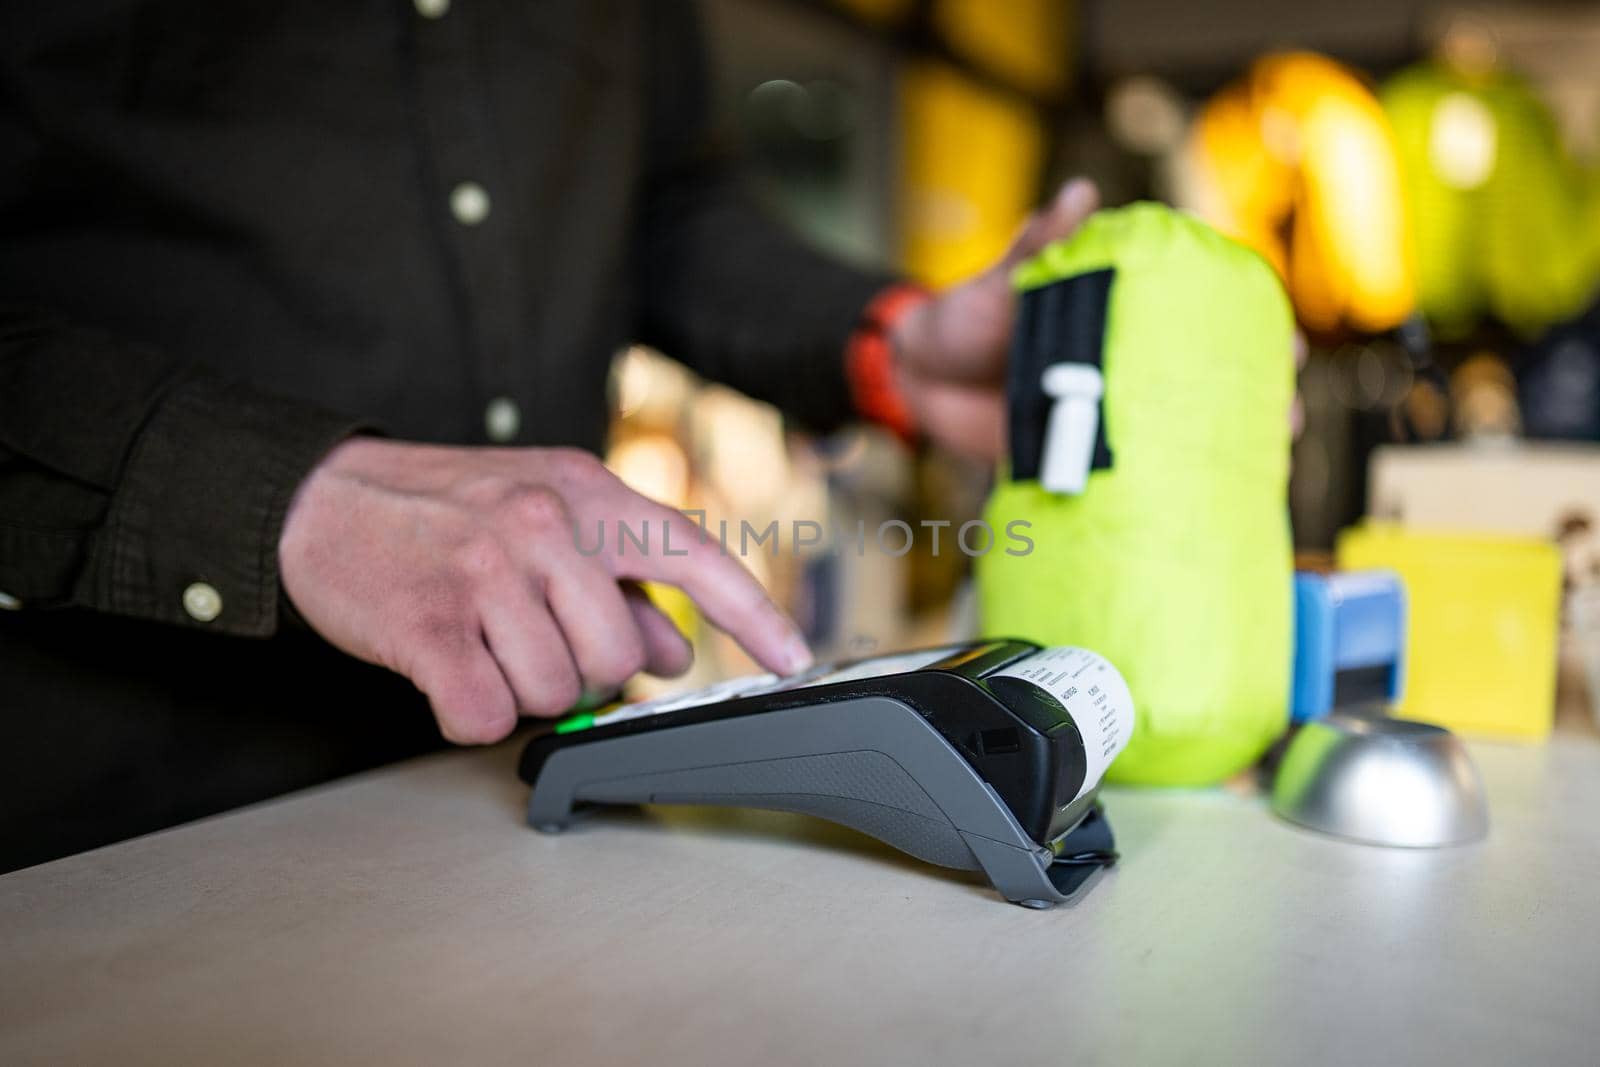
[1070, 431]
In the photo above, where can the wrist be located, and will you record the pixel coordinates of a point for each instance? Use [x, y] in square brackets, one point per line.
[297, 535]
[874, 369]
[328, 466]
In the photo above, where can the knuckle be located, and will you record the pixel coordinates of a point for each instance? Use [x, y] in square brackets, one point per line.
[488, 487]
[706, 553]
[554, 696]
[631, 662]
[536, 507]
[620, 664]
[468, 708]
[576, 463]
[473, 729]
[638, 654]
[481, 556]
[488, 730]
[438, 625]
[451, 727]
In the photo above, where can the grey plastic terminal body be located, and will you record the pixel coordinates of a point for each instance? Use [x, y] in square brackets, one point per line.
[871, 763]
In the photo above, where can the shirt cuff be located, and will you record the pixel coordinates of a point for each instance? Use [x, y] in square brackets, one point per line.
[869, 361]
[191, 536]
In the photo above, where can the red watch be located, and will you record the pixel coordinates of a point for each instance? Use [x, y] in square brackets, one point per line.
[869, 361]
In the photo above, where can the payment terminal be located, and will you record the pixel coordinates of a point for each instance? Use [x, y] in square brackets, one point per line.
[983, 756]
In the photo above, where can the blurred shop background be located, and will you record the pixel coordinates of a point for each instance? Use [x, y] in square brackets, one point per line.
[1425, 177]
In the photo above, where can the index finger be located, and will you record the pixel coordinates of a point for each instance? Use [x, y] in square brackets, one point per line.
[682, 554]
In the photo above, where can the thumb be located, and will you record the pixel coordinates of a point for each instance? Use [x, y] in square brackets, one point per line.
[1074, 201]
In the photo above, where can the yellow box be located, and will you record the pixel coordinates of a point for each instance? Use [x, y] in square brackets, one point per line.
[1483, 613]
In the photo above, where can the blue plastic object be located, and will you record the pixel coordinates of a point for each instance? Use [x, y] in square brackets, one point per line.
[1350, 634]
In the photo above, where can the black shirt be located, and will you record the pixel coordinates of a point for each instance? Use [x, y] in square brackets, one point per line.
[231, 233]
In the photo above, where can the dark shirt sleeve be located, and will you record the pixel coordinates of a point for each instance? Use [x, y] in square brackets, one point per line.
[126, 478]
[722, 286]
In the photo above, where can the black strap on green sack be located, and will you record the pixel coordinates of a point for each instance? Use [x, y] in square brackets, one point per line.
[1063, 322]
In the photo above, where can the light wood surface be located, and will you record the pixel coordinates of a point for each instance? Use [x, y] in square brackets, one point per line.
[408, 916]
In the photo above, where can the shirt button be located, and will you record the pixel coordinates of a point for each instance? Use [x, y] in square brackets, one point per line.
[502, 419]
[432, 9]
[469, 203]
[202, 601]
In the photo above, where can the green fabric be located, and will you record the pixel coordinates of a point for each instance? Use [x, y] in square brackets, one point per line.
[1442, 220]
[1520, 244]
[1175, 563]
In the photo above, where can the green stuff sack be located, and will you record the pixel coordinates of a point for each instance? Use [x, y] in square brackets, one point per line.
[1174, 559]
[1442, 200]
[1499, 214]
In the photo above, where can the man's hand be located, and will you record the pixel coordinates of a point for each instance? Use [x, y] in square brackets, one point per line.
[461, 569]
[950, 353]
